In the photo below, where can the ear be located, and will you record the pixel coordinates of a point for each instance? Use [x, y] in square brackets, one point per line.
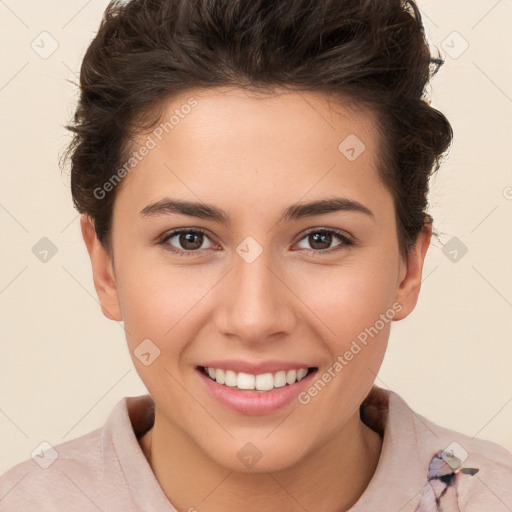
[411, 270]
[102, 271]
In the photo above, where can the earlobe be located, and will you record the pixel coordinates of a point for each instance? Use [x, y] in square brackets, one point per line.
[102, 270]
[410, 284]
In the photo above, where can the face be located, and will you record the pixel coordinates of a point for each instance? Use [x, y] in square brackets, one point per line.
[258, 287]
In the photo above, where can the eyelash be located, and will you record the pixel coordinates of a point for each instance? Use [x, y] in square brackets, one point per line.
[346, 242]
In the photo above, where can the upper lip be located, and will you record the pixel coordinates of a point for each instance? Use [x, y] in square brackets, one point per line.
[255, 368]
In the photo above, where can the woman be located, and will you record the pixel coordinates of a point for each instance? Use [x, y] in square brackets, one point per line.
[253, 181]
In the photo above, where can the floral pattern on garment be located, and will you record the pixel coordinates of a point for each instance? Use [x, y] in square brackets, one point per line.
[440, 492]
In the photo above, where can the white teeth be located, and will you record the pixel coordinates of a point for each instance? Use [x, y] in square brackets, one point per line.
[291, 376]
[301, 373]
[230, 378]
[264, 382]
[261, 382]
[245, 381]
[219, 376]
[280, 379]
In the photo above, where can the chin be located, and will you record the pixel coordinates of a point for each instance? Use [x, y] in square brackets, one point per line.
[253, 457]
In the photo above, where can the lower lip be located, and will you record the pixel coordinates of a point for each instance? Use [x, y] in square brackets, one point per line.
[253, 403]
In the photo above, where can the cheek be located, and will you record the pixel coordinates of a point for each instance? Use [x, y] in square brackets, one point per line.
[157, 305]
[158, 301]
[349, 298]
[356, 303]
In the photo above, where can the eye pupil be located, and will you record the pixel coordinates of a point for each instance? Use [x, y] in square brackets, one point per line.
[188, 238]
[321, 238]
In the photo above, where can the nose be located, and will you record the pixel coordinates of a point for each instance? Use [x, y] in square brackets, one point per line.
[255, 301]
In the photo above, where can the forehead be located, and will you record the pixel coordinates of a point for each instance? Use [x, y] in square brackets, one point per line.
[223, 115]
[259, 146]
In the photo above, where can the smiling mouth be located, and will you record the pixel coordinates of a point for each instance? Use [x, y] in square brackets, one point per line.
[261, 383]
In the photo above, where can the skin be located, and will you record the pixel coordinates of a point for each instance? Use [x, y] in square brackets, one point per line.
[254, 155]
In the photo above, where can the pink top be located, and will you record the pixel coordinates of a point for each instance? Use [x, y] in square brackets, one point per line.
[421, 463]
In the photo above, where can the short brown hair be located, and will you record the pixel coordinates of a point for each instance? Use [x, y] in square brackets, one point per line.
[371, 52]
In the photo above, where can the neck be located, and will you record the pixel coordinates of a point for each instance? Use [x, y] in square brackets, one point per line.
[330, 478]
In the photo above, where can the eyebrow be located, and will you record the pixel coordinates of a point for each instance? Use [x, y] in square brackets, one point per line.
[294, 212]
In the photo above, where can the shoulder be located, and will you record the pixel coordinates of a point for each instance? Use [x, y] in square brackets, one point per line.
[46, 480]
[86, 473]
[477, 471]
[430, 467]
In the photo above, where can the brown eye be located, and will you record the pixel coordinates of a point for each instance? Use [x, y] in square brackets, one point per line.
[320, 240]
[186, 240]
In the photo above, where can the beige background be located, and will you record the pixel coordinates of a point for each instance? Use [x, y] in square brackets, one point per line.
[63, 366]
